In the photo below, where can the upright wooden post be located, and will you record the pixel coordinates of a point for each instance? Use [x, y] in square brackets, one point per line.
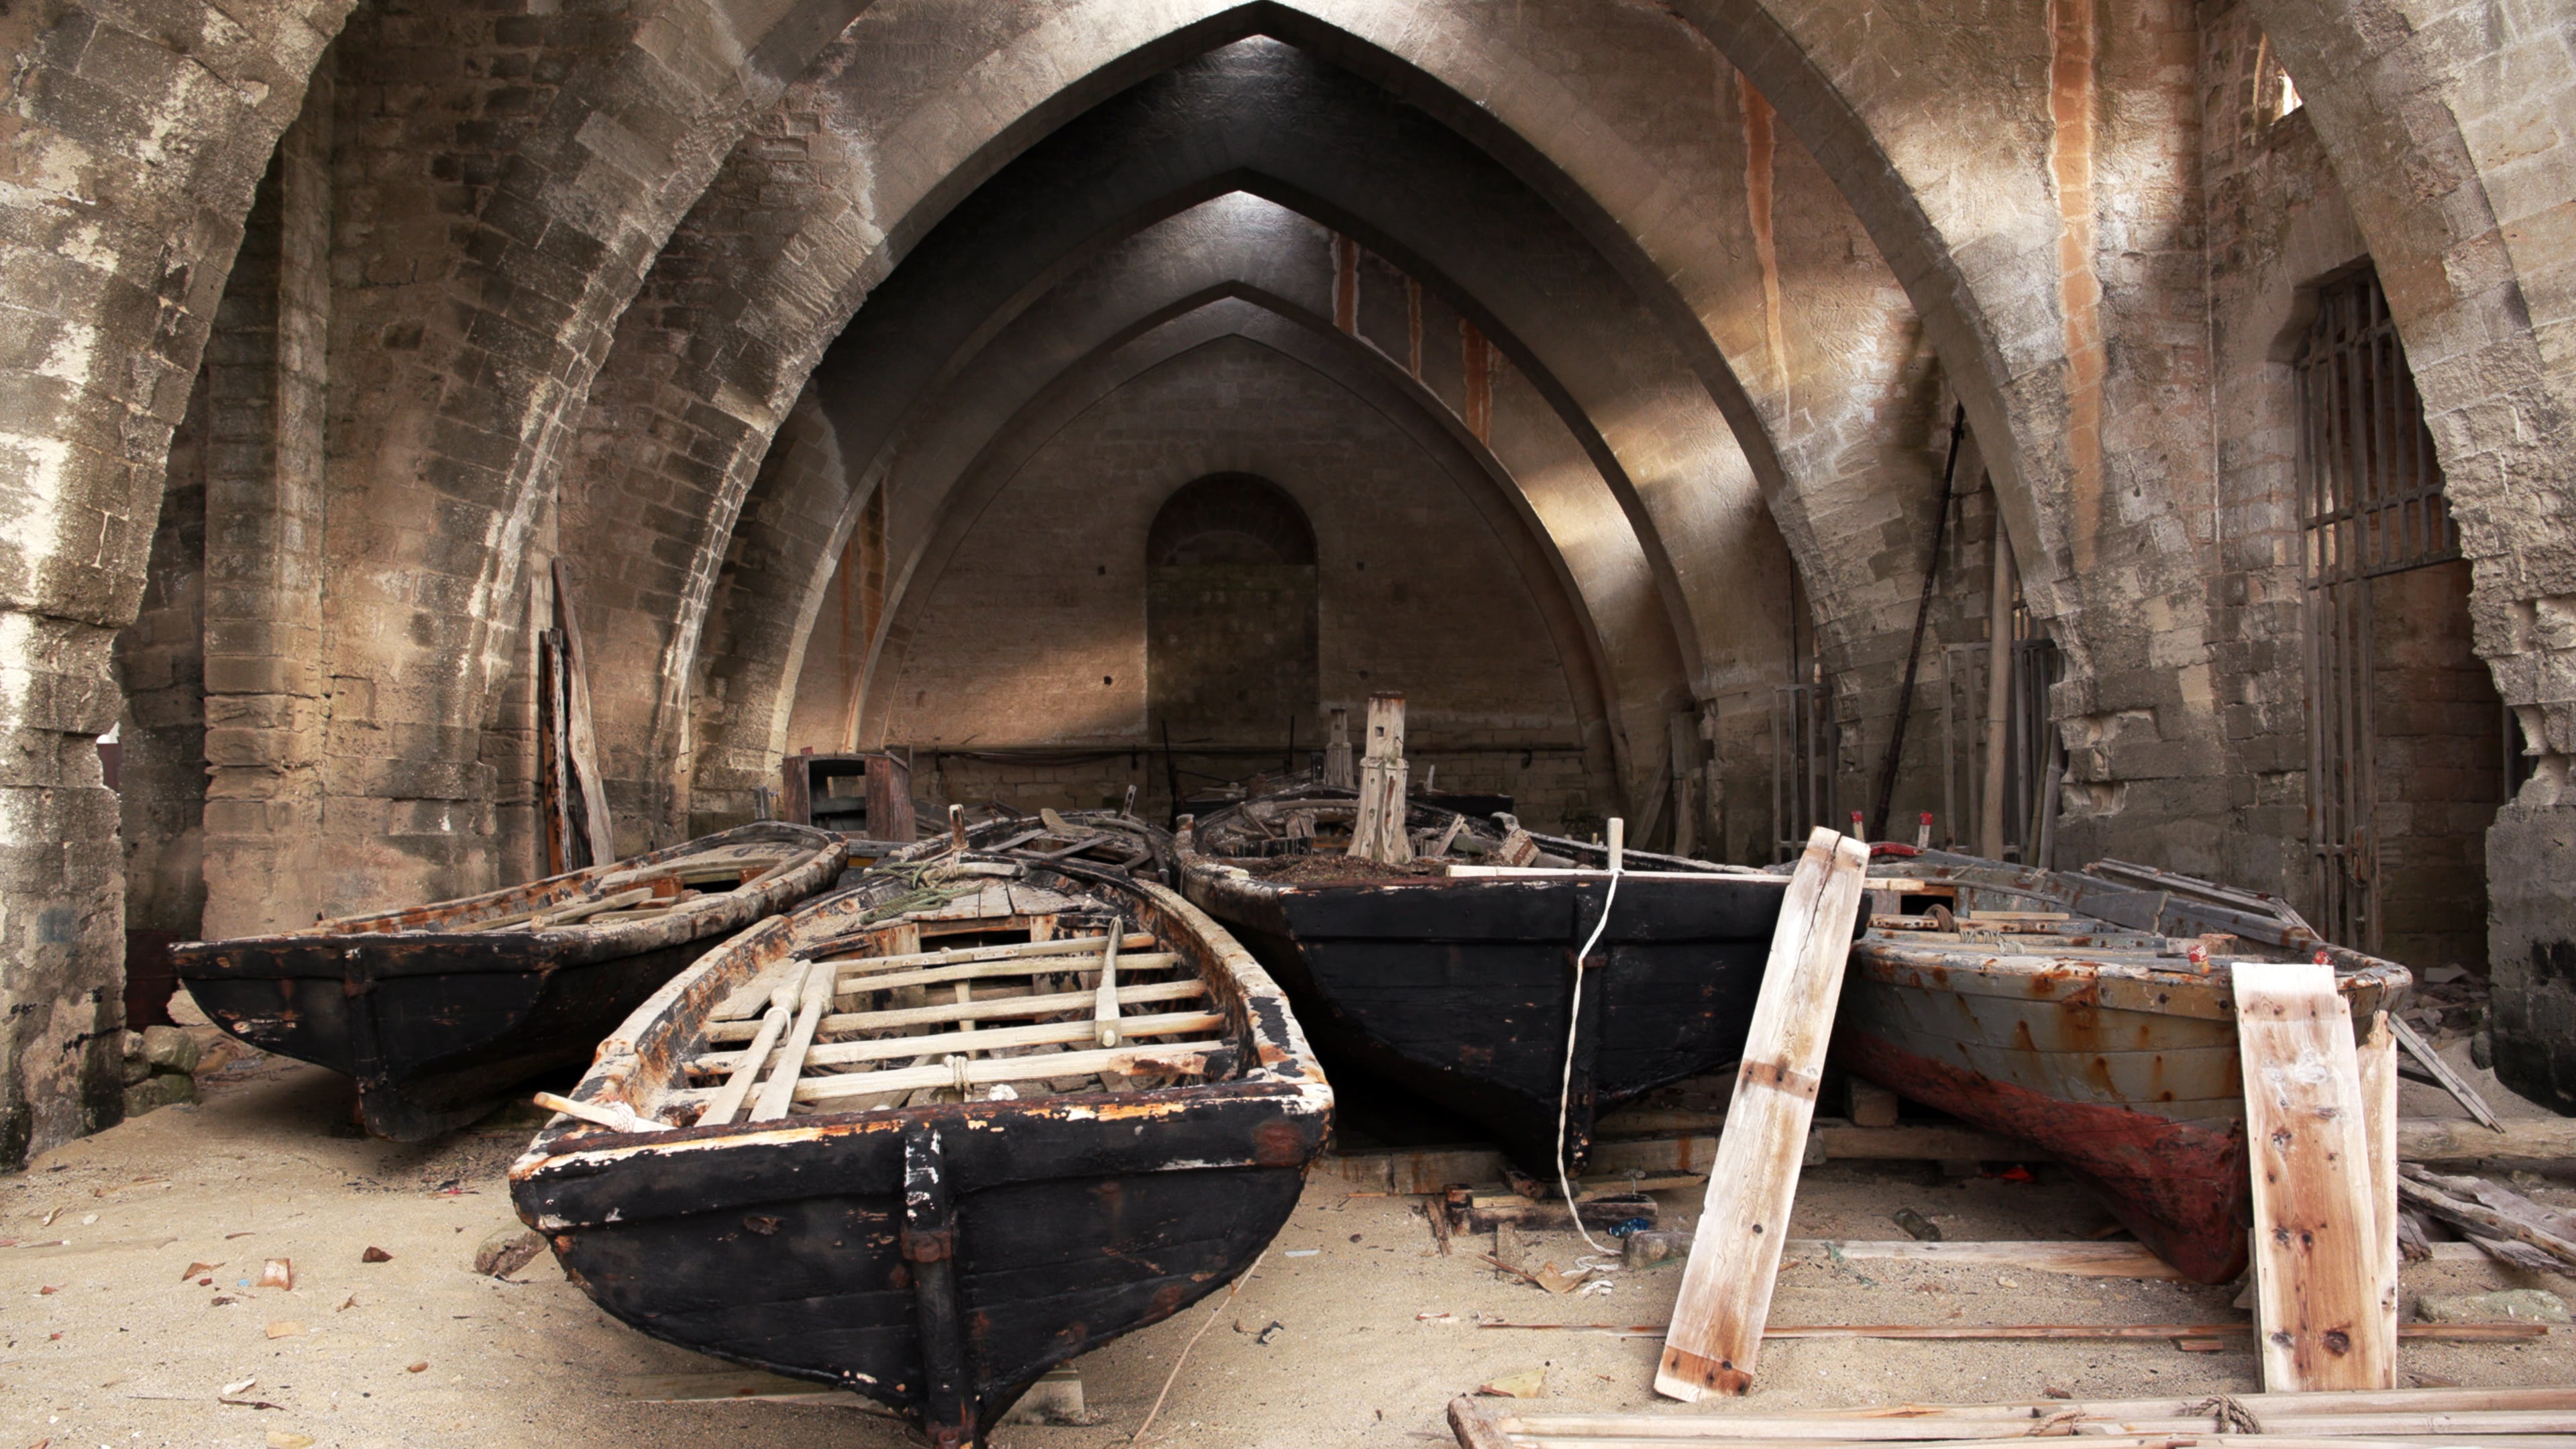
[580, 734]
[1683, 739]
[890, 798]
[2321, 1310]
[1337, 753]
[1716, 1332]
[1379, 833]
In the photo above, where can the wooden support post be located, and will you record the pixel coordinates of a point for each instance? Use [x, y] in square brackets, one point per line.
[1683, 735]
[1337, 753]
[581, 735]
[1999, 644]
[554, 756]
[890, 799]
[1716, 1332]
[2318, 1262]
[1379, 834]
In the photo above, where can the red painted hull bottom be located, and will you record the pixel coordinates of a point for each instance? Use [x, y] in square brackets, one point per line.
[2182, 1187]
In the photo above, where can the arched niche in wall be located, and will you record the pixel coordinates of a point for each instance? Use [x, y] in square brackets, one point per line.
[1231, 598]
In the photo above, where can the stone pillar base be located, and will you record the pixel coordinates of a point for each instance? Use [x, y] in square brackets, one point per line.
[2531, 934]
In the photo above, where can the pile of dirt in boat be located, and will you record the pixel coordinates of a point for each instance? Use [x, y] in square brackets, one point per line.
[1335, 868]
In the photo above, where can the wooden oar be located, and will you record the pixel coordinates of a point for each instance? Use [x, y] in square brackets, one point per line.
[782, 1010]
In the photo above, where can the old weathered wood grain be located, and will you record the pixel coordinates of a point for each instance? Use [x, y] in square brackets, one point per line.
[1716, 1333]
[2318, 1262]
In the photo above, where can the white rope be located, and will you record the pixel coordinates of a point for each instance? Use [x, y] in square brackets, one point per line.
[1574, 1023]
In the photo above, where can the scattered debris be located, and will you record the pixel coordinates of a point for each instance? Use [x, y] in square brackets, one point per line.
[2523, 1305]
[278, 1273]
[235, 1394]
[418, 1368]
[1526, 1384]
[278, 1439]
[198, 1270]
[375, 1255]
[1921, 1228]
[505, 1251]
[347, 1303]
[1268, 1335]
[285, 1328]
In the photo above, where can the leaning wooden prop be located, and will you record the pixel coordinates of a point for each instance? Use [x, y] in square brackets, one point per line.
[1716, 1331]
[437, 1011]
[936, 1133]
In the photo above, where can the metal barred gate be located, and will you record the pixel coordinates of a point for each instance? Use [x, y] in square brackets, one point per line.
[2370, 505]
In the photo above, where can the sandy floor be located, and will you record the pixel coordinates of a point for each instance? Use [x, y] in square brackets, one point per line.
[103, 1341]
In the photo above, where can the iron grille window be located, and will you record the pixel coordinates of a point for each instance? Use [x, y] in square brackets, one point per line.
[2370, 489]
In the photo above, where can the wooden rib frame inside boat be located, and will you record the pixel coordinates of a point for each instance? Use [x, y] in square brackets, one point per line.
[926, 1145]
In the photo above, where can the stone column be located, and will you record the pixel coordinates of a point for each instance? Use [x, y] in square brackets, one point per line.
[265, 702]
[62, 891]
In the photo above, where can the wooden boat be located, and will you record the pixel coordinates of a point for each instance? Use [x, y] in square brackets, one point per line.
[2091, 1015]
[1456, 985]
[1101, 840]
[439, 1010]
[935, 1133]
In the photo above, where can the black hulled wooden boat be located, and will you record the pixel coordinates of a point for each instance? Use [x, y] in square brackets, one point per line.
[911, 1152]
[437, 1011]
[1456, 986]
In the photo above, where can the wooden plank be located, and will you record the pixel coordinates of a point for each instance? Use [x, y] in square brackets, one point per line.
[780, 1089]
[992, 1008]
[747, 1064]
[2493, 1215]
[2065, 1420]
[1716, 1336]
[1104, 1003]
[2376, 1058]
[1179, 1058]
[554, 757]
[889, 799]
[1541, 872]
[2073, 1332]
[2450, 1081]
[580, 732]
[2317, 1258]
[994, 970]
[566, 915]
[1379, 832]
[1053, 1033]
[2021, 1440]
[1017, 951]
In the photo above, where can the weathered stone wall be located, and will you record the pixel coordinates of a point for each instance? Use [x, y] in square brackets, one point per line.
[1736, 253]
[1415, 593]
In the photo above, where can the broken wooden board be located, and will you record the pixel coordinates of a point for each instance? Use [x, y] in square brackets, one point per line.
[2321, 1276]
[1716, 1334]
